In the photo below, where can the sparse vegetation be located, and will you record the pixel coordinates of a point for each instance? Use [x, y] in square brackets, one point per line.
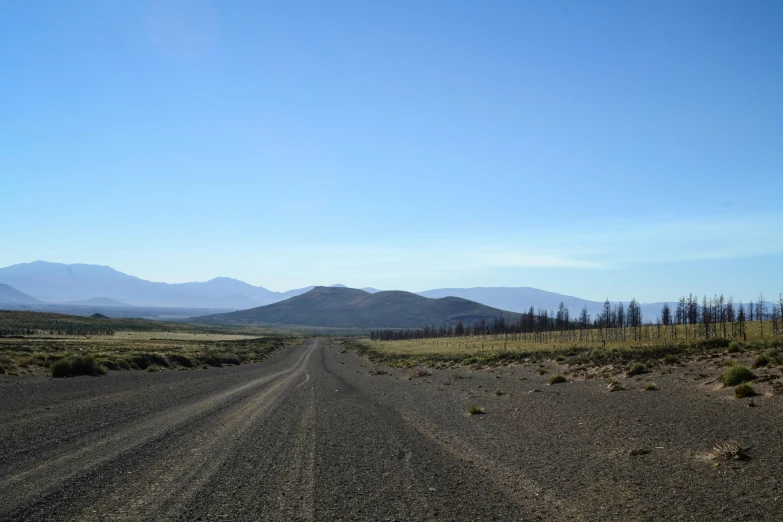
[49, 343]
[475, 410]
[761, 361]
[499, 392]
[744, 390]
[729, 450]
[557, 379]
[651, 386]
[737, 374]
[73, 366]
[636, 369]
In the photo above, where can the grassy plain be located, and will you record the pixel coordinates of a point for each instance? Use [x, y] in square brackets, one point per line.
[649, 344]
[33, 343]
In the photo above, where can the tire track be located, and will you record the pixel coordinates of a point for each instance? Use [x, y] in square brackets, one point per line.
[88, 455]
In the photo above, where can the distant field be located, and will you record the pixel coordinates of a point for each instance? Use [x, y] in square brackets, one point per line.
[32, 343]
[618, 344]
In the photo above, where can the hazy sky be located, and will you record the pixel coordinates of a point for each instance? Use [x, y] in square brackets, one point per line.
[593, 148]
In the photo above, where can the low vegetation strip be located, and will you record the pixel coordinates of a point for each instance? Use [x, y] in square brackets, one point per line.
[636, 359]
[189, 347]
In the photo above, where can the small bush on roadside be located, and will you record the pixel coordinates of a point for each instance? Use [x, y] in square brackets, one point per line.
[744, 390]
[729, 450]
[475, 410]
[737, 374]
[734, 347]
[499, 392]
[73, 366]
[636, 369]
[557, 379]
[761, 361]
[651, 386]
[181, 360]
[231, 359]
[671, 359]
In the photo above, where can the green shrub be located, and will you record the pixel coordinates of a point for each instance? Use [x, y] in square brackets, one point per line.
[73, 366]
[475, 410]
[734, 347]
[761, 361]
[498, 392]
[671, 359]
[230, 359]
[744, 390]
[557, 379]
[636, 369]
[737, 374]
[181, 360]
[651, 386]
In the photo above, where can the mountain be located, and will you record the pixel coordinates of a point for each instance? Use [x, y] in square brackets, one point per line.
[61, 283]
[10, 295]
[352, 308]
[98, 301]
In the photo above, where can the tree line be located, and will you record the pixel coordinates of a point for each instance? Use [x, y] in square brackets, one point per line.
[690, 317]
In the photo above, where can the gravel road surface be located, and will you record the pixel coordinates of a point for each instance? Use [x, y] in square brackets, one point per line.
[315, 433]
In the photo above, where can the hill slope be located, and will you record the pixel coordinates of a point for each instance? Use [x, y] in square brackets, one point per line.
[352, 308]
[10, 295]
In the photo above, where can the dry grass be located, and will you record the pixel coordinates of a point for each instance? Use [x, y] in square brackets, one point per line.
[729, 450]
[125, 350]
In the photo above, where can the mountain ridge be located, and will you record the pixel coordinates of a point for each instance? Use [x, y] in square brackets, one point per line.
[353, 308]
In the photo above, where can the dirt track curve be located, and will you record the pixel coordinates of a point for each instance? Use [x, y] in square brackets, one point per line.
[312, 434]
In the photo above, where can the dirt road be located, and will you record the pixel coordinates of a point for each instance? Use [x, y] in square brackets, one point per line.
[314, 434]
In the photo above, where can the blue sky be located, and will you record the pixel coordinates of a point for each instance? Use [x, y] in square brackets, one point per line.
[593, 148]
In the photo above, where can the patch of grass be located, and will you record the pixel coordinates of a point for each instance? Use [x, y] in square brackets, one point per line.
[637, 368]
[73, 366]
[615, 385]
[729, 450]
[475, 410]
[737, 374]
[734, 347]
[671, 359]
[761, 361]
[744, 390]
[651, 386]
[499, 392]
[557, 379]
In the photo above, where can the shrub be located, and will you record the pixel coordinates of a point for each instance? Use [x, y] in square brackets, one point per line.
[734, 347]
[475, 410]
[744, 390]
[730, 450]
[636, 369]
[231, 359]
[651, 386]
[671, 359]
[737, 374]
[761, 361]
[181, 360]
[557, 379]
[498, 392]
[73, 366]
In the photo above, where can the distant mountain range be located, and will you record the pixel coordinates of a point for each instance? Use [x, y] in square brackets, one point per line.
[341, 307]
[10, 295]
[43, 283]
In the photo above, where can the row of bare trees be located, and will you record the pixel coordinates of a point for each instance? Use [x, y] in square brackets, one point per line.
[691, 318]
